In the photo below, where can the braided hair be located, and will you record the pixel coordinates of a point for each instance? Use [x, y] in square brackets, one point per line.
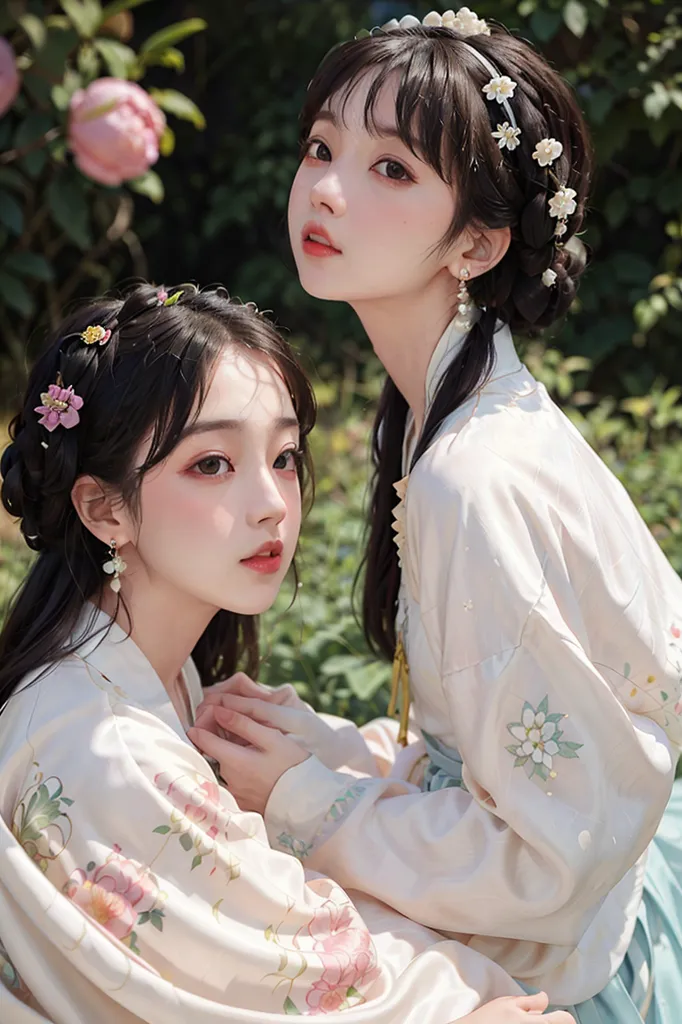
[144, 383]
[442, 115]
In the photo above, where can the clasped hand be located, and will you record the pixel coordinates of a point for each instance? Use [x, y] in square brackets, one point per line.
[244, 726]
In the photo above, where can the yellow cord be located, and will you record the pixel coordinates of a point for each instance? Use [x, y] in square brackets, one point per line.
[400, 683]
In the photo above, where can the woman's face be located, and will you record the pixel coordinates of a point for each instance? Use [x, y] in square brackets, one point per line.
[219, 519]
[365, 214]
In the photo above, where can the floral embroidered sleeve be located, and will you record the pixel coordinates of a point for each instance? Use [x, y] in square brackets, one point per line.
[138, 836]
[562, 783]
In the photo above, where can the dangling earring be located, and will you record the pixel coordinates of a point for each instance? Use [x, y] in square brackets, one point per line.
[465, 305]
[114, 567]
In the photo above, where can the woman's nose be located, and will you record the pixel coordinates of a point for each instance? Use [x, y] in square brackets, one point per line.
[327, 194]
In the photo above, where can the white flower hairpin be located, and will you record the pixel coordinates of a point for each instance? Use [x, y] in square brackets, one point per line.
[507, 137]
[547, 151]
[499, 88]
[464, 21]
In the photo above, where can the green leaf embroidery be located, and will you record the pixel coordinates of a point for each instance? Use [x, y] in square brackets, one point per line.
[162, 830]
[186, 842]
[196, 862]
[290, 1007]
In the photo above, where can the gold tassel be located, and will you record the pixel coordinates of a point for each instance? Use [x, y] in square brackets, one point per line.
[400, 682]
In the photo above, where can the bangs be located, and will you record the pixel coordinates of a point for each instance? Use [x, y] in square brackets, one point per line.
[427, 82]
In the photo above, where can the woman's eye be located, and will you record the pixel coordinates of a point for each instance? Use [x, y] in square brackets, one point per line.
[288, 460]
[393, 170]
[213, 465]
[317, 150]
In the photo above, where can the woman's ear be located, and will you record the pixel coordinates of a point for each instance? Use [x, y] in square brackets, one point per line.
[479, 250]
[101, 512]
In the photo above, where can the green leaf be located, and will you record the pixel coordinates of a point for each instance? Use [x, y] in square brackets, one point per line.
[37, 124]
[109, 10]
[664, 695]
[196, 862]
[543, 706]
[290, 1007]
[84, 15]
[545, 24]
[12, 179]
[149, 185]
[575, 17]
[91, 865]
[11, 214]
[170, 58]
[29, 264]
[186, 842]
[69, 208]
[162, 830]
[657, 101]
[144, 917]
[120, 59]
[167, 141]
[51, 59]
[16, 295]
[157, 919]
[173, 34]
[181, 106]
[66, 800]
[35, 29]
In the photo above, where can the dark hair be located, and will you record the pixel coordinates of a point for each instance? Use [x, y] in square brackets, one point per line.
[148, 380]
[443, 117]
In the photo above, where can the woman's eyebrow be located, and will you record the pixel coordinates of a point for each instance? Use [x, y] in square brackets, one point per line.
[382, 131]
[211, 426]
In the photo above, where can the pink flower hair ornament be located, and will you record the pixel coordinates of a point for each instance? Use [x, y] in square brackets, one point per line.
[60, 407]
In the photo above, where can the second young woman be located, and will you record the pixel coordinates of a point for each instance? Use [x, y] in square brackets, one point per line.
[536, 625]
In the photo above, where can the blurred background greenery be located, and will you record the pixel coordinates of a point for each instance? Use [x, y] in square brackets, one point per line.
[231, 75]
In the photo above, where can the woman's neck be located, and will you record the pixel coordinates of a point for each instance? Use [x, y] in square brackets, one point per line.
[404, 331]
[164, 623]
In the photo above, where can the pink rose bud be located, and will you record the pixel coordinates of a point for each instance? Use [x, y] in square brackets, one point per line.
[114, 130]
[9, 77]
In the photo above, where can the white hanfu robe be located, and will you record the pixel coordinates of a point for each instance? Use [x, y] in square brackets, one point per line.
[543, 629]
[132, 888]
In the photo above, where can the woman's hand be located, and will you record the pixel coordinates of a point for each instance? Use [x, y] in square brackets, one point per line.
[517, 1010]
[336, 745]
[251, 761]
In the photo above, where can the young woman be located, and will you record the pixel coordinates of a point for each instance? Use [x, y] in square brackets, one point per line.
[156, 467]
[535, 623]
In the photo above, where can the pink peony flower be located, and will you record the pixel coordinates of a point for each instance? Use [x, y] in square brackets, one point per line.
[114, 130]
[9, 77]
[114, 894]
[199, 804]
[345, 948]
[60, 408]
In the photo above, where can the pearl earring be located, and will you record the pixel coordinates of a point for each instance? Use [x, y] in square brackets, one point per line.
[114, 566]
[465, 306]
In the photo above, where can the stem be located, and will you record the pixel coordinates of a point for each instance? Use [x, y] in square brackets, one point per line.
[39, 143]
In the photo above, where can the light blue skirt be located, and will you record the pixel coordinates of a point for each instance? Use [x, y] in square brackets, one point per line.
[657, 940]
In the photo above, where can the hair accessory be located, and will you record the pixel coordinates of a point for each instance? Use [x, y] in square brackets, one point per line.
[507, 137]
[114, 566]
[60, 406]
[464, 319]
[547, 151]
[161, 296]
[499, 88]
[95, 335]
[549, 278]
[562, 205]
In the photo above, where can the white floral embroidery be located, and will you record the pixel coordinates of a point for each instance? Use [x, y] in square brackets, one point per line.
[563, 203]
[539, 741]
[500, 88]
[547, 151]
[507, 136]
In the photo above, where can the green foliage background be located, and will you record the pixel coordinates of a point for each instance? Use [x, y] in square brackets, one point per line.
[216, 210]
